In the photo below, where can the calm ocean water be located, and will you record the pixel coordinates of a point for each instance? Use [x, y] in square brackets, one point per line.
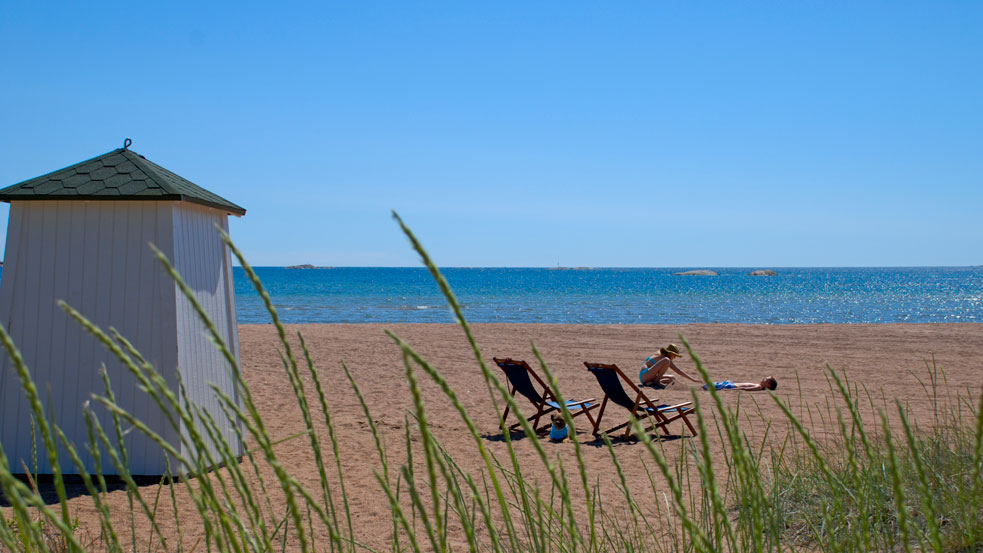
[618, 296]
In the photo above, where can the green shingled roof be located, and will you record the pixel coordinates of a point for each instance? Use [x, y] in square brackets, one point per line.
[117, 175]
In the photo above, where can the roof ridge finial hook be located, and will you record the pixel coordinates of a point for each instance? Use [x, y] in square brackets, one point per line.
[126, 143]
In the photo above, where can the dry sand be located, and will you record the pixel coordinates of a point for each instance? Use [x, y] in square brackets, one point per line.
[885, 358]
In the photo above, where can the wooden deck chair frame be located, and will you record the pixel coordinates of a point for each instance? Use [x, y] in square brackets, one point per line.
[611, 379]
[520, 377]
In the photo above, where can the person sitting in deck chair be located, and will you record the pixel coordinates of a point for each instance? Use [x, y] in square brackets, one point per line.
[654, 370]
[767, 383]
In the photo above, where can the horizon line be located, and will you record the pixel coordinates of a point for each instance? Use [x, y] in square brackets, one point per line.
[601, 267]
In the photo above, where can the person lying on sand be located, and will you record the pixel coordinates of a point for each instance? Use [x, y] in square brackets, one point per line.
[767, 383]
[654, 370]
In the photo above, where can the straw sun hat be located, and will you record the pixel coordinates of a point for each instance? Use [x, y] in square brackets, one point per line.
[673, 349]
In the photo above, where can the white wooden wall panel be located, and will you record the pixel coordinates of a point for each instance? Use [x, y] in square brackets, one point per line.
[233, 320]
[10, 394]
[59, 265]
[203, 261]
[25, 323]
[94, 255]
[74, 286]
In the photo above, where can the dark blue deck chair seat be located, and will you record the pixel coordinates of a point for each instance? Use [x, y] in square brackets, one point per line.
[641, 407]
[520, 380]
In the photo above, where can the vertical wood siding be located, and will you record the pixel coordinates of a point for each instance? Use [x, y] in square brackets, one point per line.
[205, 264]
[93, 255]
[10, 395]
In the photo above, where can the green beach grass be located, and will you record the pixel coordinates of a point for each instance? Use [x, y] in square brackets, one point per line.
[837, 480]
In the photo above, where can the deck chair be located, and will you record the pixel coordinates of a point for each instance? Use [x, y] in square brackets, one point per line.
[520, 379]
[610, 378]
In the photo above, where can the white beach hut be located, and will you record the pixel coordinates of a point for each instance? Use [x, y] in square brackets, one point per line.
[81, 234]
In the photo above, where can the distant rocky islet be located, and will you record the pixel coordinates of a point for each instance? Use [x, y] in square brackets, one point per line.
[698, 272]
[305, 266]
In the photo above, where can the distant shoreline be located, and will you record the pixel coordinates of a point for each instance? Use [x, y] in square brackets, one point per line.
[599, 268]
[639, 326]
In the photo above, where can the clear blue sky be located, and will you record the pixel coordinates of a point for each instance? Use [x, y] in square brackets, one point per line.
[639, 134]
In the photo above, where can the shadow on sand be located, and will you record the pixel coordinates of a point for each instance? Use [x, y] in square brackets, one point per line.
[74, 487]
[586, 438]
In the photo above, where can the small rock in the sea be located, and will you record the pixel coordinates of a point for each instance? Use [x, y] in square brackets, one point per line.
[699, 272]
[763, 272]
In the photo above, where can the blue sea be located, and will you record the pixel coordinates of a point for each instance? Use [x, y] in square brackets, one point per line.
[618, 296]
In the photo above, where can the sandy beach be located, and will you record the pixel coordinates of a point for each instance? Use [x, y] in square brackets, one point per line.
[884, 358]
